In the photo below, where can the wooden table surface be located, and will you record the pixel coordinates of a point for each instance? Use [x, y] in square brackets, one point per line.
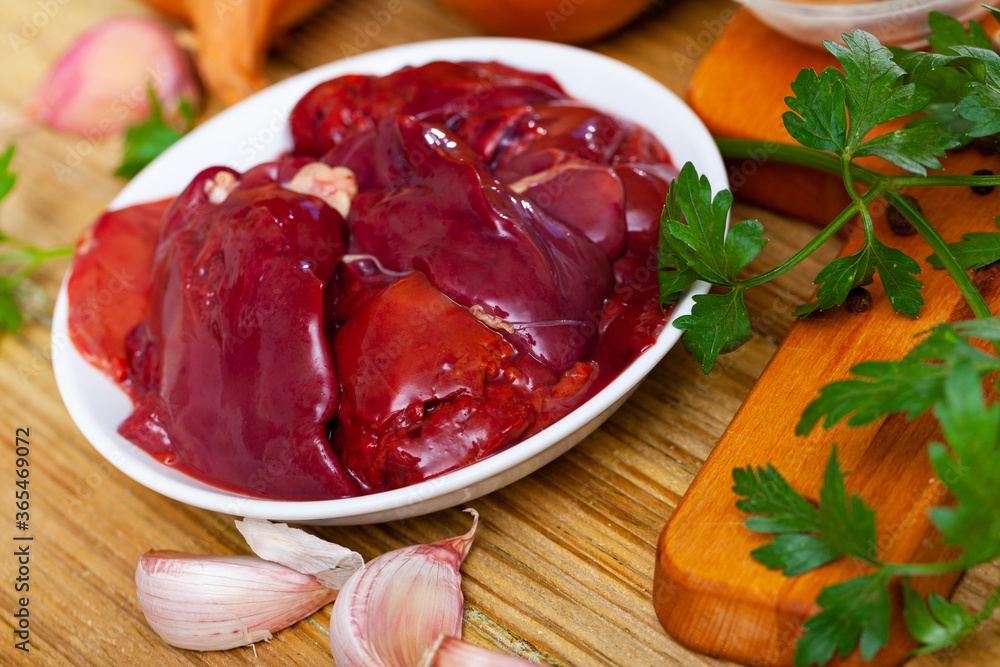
[561, 570]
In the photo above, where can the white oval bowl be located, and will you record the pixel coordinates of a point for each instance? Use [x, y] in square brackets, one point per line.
[255, 131]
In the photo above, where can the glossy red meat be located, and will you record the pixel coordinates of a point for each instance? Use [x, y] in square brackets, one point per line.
[437, 92]
[109, 287]
[422, 387]
[238, 377]
[426, 204]
[501, 269]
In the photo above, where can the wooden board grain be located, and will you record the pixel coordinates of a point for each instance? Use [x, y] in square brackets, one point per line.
[709, 592]
[562, 568]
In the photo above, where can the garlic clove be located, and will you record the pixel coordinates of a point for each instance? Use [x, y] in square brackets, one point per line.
[211, 603]
[330, 563]
[451, 652]
[394, 608]
[98, 86]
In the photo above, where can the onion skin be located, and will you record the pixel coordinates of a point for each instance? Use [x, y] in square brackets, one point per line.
[569, 21]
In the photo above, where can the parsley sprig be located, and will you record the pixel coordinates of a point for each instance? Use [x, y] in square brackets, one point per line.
[146, 140]
[17, 258]
[831, 115]
[945, 371]
[951, 96]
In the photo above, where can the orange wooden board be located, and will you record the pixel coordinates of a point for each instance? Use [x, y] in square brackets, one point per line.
[709, 593]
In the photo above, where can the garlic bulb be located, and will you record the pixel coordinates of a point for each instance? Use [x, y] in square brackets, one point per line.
[210, 603]
[98, 87]
[392, 611]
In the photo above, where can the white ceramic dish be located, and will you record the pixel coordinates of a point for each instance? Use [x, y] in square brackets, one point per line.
[254, 131]
[893, 22]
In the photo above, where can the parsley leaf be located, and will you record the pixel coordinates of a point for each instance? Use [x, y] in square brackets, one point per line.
[718, 323]
[854, 611]
[912, 384]
[145, 141]
[973, 431]
[10, 313]
[947, 31]
[869, 80]
[974, 251]
[767, 493]
[894, 268]
[809, 537]
[696, 230]
[936, 624]
[946, 74]
[24, 256]
[694, 244]
[914, 148]
[980, 104]
[818, 117]
[7, 177]
[979, 101]
[847, 524]
[674, 275]
[796, 553]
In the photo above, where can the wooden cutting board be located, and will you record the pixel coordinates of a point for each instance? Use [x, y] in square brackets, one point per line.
[709, 593]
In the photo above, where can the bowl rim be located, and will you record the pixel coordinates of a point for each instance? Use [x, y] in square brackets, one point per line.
[81, 385]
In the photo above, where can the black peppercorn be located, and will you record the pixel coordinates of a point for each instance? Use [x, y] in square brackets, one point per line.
[858, 300]
[897, 222]
[982, 189]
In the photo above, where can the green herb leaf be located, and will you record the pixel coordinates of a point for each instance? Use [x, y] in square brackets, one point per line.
[937, 624]
[854, 611]
[718, 323]
[806, 309]
[849, 525]
[911, 385]
[7, 177]
[914, 148]
[870, 81]
[894, 268]
[974, 251]
[696, 230]
[765, 492]
[796, 553]
[979, 101]
[947, 31]
[980, 105]
[987, 328]
[983, 62]
[924, 67]
[811, 536]
[818, 117]
[674, 275]
[10, 313]
[993, 10]
[946, 74]
[971, 468]
[894, 386]
[145, 141]
[944, 116]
